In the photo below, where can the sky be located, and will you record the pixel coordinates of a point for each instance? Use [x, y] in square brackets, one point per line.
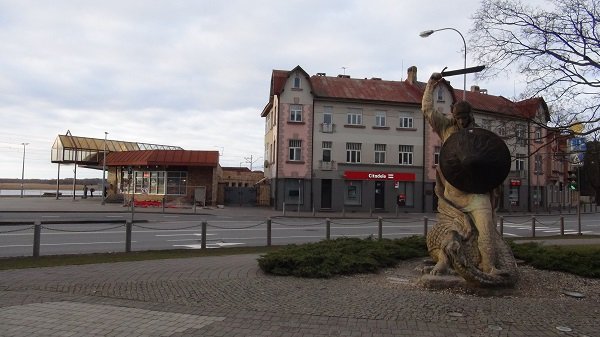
[196, 73]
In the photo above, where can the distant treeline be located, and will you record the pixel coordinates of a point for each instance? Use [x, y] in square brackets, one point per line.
[66, 181]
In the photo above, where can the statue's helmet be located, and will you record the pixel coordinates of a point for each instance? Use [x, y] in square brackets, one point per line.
[475, 160]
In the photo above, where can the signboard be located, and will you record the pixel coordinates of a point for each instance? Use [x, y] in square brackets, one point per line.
[577, 147]
[366, 175]
[515, 182]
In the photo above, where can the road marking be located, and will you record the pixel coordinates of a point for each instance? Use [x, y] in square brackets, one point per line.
[50, 216]
[69, 244]
[211, 245]
[115, 216]
[195, 234]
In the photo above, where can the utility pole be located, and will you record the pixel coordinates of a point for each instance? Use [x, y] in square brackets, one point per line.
[251, 161]
[23, 169]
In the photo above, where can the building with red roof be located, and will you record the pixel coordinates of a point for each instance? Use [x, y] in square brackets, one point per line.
[342, 143]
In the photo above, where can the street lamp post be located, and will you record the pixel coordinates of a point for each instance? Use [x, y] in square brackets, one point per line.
[104, 170]
[426, 33]
[23, 169]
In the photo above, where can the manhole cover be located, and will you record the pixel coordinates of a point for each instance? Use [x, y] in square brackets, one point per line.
[455, 314]
[575, 294]
[564, 328]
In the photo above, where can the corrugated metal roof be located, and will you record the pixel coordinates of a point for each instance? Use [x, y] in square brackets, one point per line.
[163, 158]
[401, 92]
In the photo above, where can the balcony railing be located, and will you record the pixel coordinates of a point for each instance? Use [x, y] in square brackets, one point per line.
[327, 127]
[326, 165]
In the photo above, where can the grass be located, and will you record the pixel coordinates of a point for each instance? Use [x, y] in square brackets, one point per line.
[64, 260]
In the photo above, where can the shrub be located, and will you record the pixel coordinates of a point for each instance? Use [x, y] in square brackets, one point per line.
[341, 256]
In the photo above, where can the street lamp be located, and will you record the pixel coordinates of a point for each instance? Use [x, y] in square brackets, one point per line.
[426, 33]
[104, 170]
[23, 169]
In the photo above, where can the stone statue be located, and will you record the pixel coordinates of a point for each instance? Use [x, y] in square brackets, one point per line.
[473, 163]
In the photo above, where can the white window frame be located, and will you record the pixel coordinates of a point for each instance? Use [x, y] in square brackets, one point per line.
[405, 154]
[354, 117]
[295, 152]
[326, 149]
[406, 122]
[380, 119]
[436, 155]
[520, 162]
[296, 113]
[380, 153]
[353, 152]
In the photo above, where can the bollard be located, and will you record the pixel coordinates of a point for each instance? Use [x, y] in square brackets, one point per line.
[502, 226]
[37, 234]
[128, 227]
[268, 232]
[425, 220]
[533, 227]
[163, 205]
[343, 211]
[396, 211]
[370, 212]
[327, 229]
[132, 209]
[313, 211]
[203, 240]
[380, 228]
[194, 206]
[562, 225]
[284, 209]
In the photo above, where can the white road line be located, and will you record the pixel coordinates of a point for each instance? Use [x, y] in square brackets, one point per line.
[195, 234]
[114, 216]
[510, 234]
[50, 216]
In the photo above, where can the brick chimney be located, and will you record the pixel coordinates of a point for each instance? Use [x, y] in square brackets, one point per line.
[412, 75]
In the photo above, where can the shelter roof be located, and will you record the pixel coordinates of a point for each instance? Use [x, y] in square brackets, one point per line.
[163, 158]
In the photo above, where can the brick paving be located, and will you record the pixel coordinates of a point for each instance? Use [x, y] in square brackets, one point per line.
[230, 296]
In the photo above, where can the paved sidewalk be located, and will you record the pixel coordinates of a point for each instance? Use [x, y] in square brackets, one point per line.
[230, 296]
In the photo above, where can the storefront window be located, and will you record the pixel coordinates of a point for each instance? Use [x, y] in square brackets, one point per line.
[407, 189]
[352, 195]
[153, 182]
[293, 191]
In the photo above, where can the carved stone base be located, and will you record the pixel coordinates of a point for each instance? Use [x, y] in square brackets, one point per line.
[441, 282]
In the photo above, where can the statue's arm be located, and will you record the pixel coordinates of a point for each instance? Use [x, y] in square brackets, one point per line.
[437, 120]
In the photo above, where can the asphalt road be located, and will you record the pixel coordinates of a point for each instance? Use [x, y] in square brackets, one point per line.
[74, 233]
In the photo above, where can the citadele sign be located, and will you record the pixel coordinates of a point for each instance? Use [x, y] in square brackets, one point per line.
[365, 175]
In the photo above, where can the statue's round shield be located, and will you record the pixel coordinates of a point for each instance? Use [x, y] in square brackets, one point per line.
[475, 160]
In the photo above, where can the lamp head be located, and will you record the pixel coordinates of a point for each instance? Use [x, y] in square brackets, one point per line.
[426, 33]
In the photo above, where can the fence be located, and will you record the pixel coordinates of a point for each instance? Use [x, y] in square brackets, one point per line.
[321, 224]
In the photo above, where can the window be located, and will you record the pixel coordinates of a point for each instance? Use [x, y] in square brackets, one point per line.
[380, 118]
[326, 151]
[293, 191]
[297, 82]
[406, 122]
[352, 193]
[436, 155]
[520, 162]
[440, 94]
[379, 153]
[520, 135]
[408, 189]
[176, 182]
[405, 154]
[486, 124]
[295, 150]
[327, 125]
[502, 130]
[538, 164]
[296, 113]
[355, 116]
[538, 134]
[353, 152]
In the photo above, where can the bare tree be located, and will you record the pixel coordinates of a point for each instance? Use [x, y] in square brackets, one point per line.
[556, 48]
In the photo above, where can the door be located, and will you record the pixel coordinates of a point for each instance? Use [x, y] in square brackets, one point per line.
[379, 195]
[200, 195]
[326, 194]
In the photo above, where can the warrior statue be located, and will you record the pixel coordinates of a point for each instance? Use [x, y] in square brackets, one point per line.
[473, 163]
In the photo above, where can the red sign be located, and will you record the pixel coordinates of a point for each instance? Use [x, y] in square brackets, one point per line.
[515, 182]
[396, 176]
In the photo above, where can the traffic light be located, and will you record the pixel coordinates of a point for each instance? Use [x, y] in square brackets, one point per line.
[573, 181]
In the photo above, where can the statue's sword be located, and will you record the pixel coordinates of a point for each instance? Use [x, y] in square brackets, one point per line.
[446, 73]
